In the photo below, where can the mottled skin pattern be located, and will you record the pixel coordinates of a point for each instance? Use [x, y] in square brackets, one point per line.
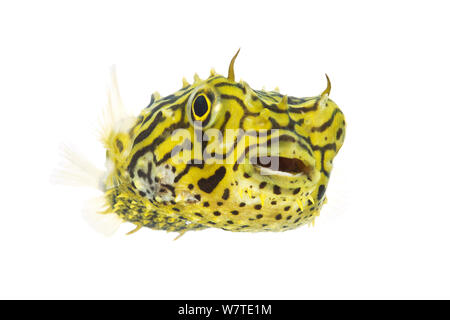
[147, 186]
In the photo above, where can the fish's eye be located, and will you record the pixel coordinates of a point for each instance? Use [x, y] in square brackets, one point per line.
[201, 108]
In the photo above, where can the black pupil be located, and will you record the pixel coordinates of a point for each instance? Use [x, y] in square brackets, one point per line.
[200, 106]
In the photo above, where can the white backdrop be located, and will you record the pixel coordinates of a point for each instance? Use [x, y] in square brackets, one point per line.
[385, 230]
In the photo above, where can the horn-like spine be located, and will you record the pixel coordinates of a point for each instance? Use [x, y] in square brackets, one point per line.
[328, 89]
[283, 105]
[185, 83]
[156, 96]
[325, 94]
[197, 78]
[231, 67]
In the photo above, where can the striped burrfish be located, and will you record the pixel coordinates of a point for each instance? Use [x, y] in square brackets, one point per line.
[219, 154]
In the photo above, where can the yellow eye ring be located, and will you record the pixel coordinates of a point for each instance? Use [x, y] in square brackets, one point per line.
[201, 107]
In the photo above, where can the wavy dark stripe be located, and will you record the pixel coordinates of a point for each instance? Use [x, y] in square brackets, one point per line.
[326, 124]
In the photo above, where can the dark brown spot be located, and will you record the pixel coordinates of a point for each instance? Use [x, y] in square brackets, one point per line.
[276, 189]
[226, 194]
[209, 184]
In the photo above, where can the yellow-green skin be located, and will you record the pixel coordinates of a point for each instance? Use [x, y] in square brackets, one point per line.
[148, 186]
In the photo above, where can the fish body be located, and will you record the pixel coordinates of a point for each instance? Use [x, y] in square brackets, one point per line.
[219, 154]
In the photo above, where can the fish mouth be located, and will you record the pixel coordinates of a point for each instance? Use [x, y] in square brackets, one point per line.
[285, 162]
[282, 166]
[289, 166]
